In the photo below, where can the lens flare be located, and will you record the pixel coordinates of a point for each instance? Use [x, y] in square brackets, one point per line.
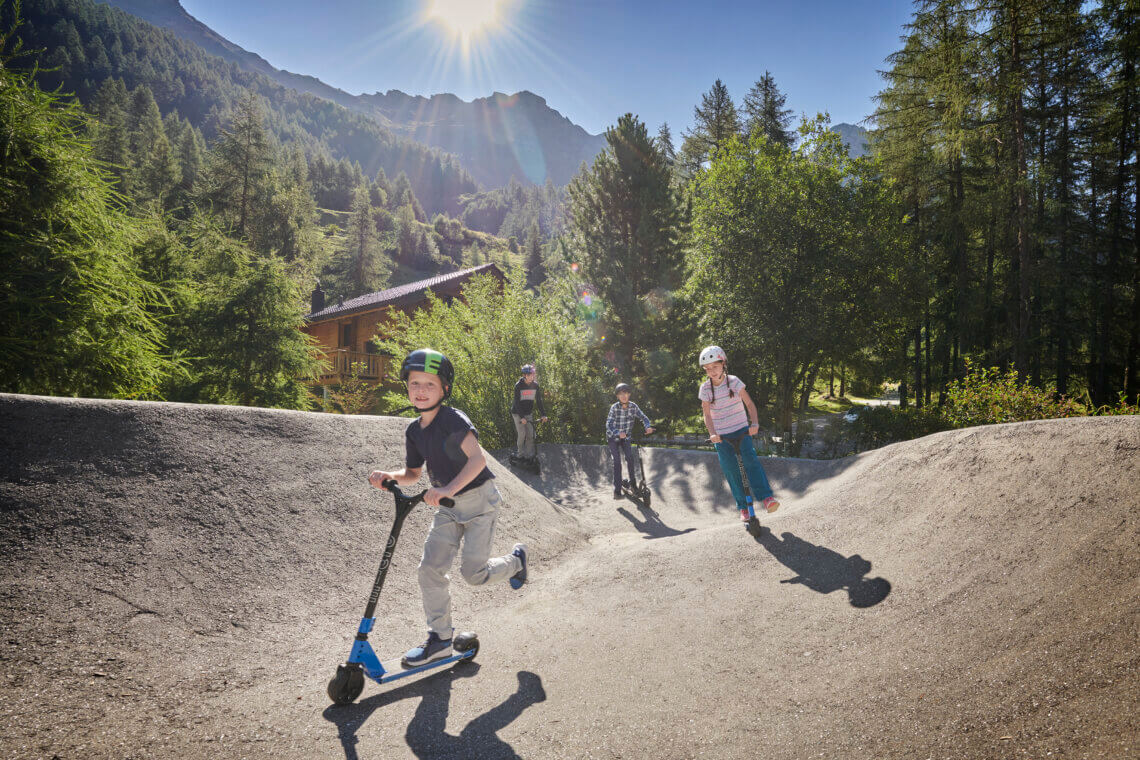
[574, 267]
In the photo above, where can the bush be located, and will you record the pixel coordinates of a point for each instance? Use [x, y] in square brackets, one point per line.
[878, 426]
[989, 396]
[488, 336]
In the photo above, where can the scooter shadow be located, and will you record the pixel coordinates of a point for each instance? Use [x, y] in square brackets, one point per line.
[824, 570]
[426, 734]
[652, 526]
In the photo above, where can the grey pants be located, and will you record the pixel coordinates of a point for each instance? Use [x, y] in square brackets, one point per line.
[472, 521]
[525, 433]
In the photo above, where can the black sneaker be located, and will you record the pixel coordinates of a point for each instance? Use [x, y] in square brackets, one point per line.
[617, 495]
[434, 648]
[519, 578]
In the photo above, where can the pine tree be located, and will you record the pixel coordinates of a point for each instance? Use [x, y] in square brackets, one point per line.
[535, 272]
[238, 165]
[76, 317]
[626, 220]
[368, 273]
[715, 123]
[765, 113]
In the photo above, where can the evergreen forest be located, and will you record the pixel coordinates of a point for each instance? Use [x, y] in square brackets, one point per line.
[166, 215]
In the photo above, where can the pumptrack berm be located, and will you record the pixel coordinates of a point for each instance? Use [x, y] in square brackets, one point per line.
[179, 581]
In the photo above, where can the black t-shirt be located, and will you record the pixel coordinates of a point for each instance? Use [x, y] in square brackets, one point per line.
[440, 445]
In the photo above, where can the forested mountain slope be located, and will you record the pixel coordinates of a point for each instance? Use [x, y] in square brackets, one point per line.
[86, 43]
[496, 138]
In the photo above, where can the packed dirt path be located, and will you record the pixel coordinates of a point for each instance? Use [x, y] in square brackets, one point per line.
[181, 581]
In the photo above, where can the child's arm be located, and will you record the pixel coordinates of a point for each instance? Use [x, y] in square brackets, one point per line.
[404, 477]
[541, 407]
[706, 410]
[753, 416]
[475, 464]
[610, 419]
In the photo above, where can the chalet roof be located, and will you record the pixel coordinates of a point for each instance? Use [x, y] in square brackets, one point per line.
[400, 295]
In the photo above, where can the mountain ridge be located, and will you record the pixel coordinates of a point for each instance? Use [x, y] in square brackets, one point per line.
[540, 142]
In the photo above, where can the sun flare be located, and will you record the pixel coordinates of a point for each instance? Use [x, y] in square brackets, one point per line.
[465, 17]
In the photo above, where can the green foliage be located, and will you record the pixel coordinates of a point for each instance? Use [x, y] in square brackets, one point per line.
[626, 223]
[988, 396]
[797, 256]
[76, 316]
[243, 331]
[877, 426]
[353, 396]
[765, 113]
[206, 90]
[488, 335]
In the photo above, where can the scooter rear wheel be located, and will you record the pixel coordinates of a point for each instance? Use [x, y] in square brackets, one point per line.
[466, 642]
[347, 684]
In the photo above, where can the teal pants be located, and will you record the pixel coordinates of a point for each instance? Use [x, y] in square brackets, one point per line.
[726, 452]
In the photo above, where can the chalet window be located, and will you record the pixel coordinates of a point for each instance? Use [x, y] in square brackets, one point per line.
[346, 336]
[370, 348]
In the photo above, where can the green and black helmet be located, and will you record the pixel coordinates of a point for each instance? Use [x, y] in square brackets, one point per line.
[429, 360]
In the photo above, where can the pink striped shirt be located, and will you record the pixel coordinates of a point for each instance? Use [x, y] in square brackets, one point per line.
[728, 412]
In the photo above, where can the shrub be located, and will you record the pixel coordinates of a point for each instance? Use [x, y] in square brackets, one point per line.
[489, 335]
[989, 396]
[880, 425]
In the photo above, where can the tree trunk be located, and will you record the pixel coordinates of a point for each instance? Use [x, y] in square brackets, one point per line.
[904, 392]
[928, 383]
[918, 367]
[1022, 249]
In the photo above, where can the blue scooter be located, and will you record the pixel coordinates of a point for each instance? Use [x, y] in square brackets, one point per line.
[348, 682]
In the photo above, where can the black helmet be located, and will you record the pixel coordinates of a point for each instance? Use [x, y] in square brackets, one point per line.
[528, 369]
[429, 360]
[623, 387]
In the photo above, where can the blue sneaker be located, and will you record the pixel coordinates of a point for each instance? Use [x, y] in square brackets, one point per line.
[434, 648]
[519, 578]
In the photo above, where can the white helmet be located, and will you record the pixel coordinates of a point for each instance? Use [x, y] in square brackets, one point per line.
[711, 354]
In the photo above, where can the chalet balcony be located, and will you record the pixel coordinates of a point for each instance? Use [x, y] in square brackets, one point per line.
[339, 366]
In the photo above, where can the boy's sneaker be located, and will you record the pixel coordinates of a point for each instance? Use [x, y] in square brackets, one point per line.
[771, 505]
[434, 648]
[519, 578]
[617, 495]
[745, 515]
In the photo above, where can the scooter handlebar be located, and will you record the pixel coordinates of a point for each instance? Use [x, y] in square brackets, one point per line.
[413, 500]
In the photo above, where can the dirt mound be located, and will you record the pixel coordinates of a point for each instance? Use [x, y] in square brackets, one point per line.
[183, 580]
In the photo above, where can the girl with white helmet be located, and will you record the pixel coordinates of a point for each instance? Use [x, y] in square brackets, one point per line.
[730, 416]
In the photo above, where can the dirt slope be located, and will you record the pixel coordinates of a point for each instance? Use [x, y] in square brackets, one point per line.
[182, 580]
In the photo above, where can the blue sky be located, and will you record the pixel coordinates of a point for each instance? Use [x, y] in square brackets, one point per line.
[592, 60]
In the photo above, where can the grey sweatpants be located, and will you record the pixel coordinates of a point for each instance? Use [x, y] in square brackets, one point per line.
[472, 521]
[525, 435]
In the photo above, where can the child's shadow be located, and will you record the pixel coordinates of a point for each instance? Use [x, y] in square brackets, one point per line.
[824, 570]
[426, 735]
[652, 526]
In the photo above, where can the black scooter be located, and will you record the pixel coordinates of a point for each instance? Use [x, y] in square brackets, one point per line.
[527, 463]
[753, 525]
[348, 682]
[630, 487]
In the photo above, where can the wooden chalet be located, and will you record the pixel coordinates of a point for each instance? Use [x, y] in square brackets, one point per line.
[345, 329]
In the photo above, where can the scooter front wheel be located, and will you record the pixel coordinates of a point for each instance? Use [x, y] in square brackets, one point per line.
[347, 684]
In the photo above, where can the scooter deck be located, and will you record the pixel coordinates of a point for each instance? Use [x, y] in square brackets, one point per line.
[394, 669]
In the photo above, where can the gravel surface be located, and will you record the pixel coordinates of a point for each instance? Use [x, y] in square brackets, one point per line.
[181, 581]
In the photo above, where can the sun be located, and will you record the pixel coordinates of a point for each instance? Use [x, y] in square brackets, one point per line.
[465, 17]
